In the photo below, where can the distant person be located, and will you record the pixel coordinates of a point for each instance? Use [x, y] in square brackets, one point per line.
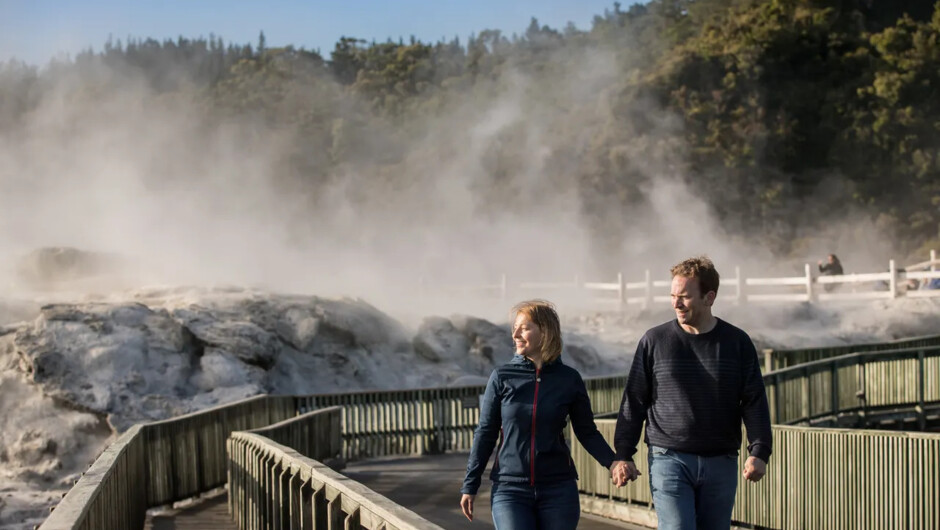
[693, 380]
[526, 406]
[831, 267]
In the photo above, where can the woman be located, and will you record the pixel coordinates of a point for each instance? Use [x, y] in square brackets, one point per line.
[526, 404]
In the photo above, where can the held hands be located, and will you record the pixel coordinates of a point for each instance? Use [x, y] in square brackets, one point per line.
[754, 469]
[623, 471]
[466, 505]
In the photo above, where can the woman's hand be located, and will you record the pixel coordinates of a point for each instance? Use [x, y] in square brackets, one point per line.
[623, 471]
[466, 504]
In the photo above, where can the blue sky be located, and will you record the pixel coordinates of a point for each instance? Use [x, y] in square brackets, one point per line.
[37, 30]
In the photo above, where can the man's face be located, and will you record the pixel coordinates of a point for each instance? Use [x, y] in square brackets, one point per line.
[691, 306]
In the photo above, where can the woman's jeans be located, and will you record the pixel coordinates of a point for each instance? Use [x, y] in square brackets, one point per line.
[692, 492]
[519, 506]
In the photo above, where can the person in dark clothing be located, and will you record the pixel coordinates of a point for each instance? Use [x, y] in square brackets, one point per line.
[693, 380]
[831, 267]
[526, 405]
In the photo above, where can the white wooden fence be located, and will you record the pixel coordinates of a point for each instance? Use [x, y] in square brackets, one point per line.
[810, 287]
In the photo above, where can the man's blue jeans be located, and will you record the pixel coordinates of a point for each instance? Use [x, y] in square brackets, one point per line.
[519, 506]
[692, 492]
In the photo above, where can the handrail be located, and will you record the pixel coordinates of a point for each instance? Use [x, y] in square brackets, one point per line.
[308, 493]
[427, 420]
[848, 387]
[316, 434]
[817, 478]
[99, 499]
[155, 464]
[783, 358]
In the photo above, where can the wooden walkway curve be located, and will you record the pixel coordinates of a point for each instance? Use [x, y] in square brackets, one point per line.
[210, 513]
[427, 486]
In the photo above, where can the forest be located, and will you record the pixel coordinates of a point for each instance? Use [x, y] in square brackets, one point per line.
[782, 115]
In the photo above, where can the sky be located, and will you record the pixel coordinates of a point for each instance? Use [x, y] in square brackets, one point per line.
[35, 31]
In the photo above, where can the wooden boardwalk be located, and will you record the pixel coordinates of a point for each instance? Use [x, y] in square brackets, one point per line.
[429, 486]
[210, 513]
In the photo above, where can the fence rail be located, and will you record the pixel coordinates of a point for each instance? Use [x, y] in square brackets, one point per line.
[426, 421]
[779, 359]
[158, 463]
[818, 478]
[845, 389]
[277, 487]
[810, 287]
[829, 477]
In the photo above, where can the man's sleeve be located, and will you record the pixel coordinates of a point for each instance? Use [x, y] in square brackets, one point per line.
[754, 408]
[635, 402]
[485, 436]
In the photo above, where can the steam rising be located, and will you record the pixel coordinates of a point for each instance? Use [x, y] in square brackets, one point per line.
[180, 195]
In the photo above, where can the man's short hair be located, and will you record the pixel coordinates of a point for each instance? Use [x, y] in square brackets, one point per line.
[700, 268]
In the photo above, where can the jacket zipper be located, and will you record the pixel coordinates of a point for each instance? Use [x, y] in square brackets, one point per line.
[535, 404]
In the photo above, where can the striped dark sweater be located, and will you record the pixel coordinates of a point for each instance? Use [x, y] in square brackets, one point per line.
[694, 391]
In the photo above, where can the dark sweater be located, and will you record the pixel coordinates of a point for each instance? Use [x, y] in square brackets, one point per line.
[694, 391]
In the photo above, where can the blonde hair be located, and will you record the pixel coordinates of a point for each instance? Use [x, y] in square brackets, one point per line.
[542, 313]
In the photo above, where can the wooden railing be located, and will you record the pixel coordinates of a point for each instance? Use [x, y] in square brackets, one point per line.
[826, 477]
[818, 478]
[808, 287]
[845, 390]
[779, 359]
[277, 487]
[426, 421]
[158, 463]
[109, 494]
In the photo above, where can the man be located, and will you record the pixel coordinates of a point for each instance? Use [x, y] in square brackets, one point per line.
[693, 380]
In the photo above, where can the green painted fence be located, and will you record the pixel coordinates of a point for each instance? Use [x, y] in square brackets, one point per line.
[780, 359]
[817, 478]
[829, 477]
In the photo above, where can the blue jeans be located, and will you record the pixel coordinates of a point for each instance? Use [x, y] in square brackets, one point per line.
[519, 506]
[692, 492]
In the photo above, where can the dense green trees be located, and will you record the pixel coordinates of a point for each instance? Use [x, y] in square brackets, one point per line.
[759, 105]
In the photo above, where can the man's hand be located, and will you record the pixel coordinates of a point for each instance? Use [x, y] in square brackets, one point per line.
[623, 471]
[754, 469]
[466, 504]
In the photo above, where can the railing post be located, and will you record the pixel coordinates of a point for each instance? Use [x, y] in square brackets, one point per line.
[894, 278]
[810, 296]
[834, 389]
[739, 294]
[336, 519]
[807, 397]
[921, 415]
[776, 418]
[768, 360]
[621, 291]
[860, 394]
[648, 301]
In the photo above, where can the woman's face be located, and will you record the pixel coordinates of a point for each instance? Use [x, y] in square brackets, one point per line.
[527, 337]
